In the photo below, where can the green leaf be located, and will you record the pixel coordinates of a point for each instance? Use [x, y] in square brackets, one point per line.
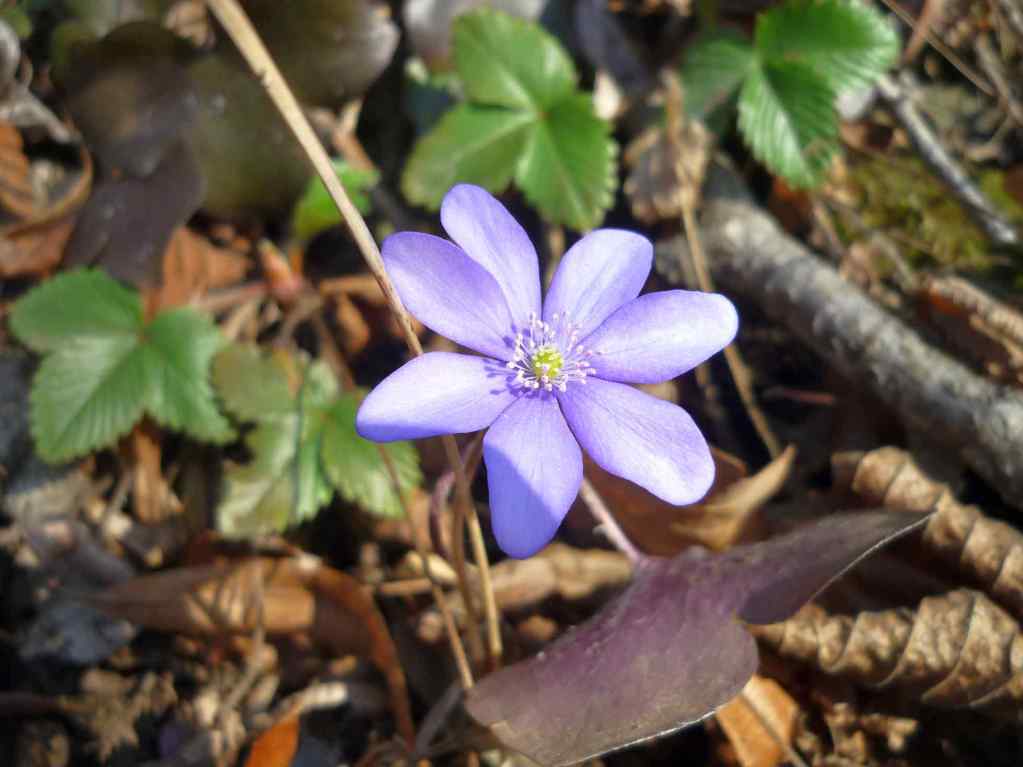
[104, 368]
[179, 346]
[250, 385]
[568, 168]
[714, 69]
[787, 118]
[284, 481]
[282, 484]
[87, 395]
[355, 466]
[845, 42]
[315, 210]
[525, 120]
[507, 61]
[82, 304]
[471, 144]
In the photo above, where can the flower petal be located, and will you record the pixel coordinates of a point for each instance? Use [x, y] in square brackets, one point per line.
[658, 336]
[485, 230]
[641, 438]
[438, 393]
[598, 274]
[449, 292]
[534, 469]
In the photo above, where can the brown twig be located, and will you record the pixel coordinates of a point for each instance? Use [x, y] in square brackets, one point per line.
[688, 196]
[230, 14]
[981, 209]
[939, 396]
[608, 525]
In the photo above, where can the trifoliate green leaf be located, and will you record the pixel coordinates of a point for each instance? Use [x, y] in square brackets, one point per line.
[288, 398]
[356, 467]
[470, 144]
[315, 210]
[845, 42]
[510, 62]
[104, 367]
[787, 118]
[525, 121]
[714, 69]
[568, 168]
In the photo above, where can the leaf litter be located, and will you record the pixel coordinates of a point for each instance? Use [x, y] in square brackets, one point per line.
[142, 635]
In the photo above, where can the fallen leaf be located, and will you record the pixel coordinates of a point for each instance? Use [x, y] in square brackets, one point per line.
[747, 728]
[153, 498]
[192, 265]
[727, 515]
[956, 650]
[988, 552]
[16, 193]
[276, 747]
[283, 596]
[603, 686]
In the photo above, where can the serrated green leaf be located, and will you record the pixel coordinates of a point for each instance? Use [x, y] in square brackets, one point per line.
[315, 210]
[355, 466]
[568, 168]
[845, 42]
[510, 62]
[86, 395]
[787, 118]
[714, 69]
[82, 304]
[470, 144]
[251, 385]
[284, 482]
[179, 346]
[104, 368]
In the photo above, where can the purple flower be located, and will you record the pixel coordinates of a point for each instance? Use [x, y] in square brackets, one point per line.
[551, 378]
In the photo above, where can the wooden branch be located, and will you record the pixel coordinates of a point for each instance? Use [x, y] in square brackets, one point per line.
[750, 254]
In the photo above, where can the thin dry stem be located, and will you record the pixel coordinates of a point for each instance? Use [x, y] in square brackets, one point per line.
[765, 722]
[608, 524]
[687, 202]
[245, 37]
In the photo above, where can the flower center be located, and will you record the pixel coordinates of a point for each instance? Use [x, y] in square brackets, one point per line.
[548, 355]
[547, 361]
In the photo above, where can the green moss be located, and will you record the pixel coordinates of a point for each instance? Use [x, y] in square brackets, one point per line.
[900, 197]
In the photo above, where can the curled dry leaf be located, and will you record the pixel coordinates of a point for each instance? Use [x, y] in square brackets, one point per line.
[760, 723]
[987, 551]
[36, 246]
[729, 513]
[603, 685]
[955, 650]
[16, 193]
[980, 327]
[283, 596]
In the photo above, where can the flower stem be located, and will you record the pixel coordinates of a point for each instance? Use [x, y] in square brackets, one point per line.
[608, 524]
[230, 14]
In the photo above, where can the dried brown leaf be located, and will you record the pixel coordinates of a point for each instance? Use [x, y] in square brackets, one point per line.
[193, 265]
[154, 499]
[728, 515]
[956, 650]
[988, 552]
[985, 330]
[16, 193]
[283, 596]
[760, 723]
[657, 160]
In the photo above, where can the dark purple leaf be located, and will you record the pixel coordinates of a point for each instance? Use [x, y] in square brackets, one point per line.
[669, 650]
[126, 224]
[130, 96]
